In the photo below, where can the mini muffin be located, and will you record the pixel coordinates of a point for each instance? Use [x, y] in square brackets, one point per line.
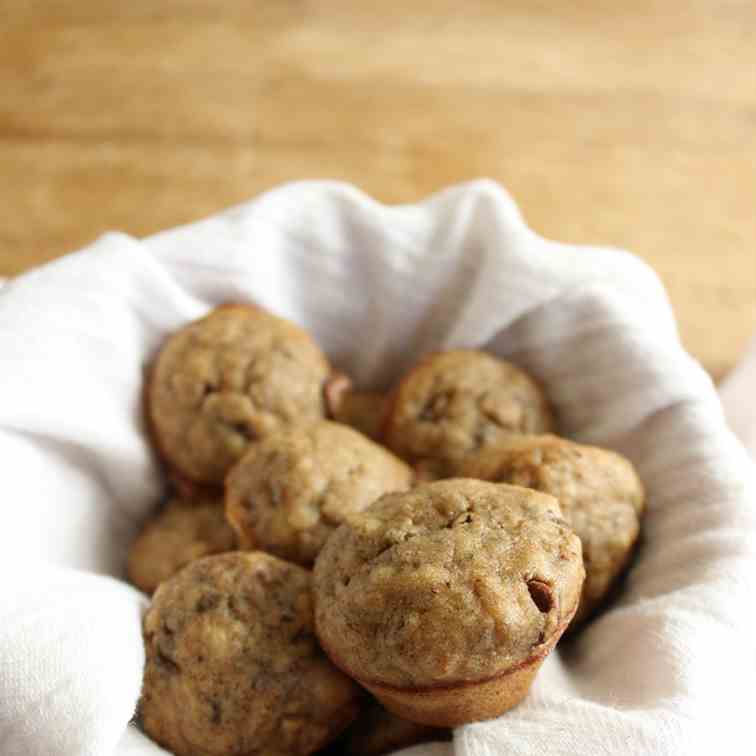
[233, 666]
[444, 600]
[454, 403]
[599, 492]
[377, 731]
[178, 534]
[226, 380]
[293, 488]
[362, 410]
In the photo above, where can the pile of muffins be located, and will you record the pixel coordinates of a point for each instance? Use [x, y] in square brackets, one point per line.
[429, 546]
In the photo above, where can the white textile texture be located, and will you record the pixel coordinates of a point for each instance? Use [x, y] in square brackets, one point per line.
[666, 670]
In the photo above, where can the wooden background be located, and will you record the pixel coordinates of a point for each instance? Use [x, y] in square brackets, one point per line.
[630, 123]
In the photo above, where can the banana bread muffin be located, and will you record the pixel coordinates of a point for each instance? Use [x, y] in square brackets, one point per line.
[599, 492]
[293, 488]
[362, 410]
[180, 533]
[227, 380]
[454, 403]
[444, 600]
[233, 666]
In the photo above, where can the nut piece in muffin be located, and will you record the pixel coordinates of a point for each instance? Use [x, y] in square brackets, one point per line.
[227, 380]
[599, 492]
[180, 533]
[444, 600]
[293, 488]
[233, 666]
[377, 731]
[458, 402]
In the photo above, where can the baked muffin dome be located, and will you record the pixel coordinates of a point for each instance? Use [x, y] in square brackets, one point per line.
[458, 402]
[180, 533]
[227, 380]
[450, 584]
[233, 666]
[294, 488]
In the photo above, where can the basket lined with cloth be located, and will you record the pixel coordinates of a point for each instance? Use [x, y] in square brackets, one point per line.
[662, 671]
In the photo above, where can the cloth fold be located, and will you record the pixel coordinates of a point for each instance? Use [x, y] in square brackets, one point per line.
[661, 672]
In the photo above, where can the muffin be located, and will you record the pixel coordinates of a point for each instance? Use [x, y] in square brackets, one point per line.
[362, 410]
[293, 488]
[232, 664]
[377, 731]
[455, 403]
[181, 532]
[444, 600]
[227, 380]
[599, 492]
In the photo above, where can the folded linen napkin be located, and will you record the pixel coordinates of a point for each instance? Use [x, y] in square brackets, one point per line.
[662, 672]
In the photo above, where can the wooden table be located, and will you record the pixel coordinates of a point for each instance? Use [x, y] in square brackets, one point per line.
[630, 123]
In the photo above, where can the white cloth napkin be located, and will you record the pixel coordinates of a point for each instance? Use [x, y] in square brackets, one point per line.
[663, 672]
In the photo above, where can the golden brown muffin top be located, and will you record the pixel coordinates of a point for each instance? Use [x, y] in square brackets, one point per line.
[457, 402]
[226, 380]
[233, 665]
[181, 532]
[599, 492]
[453, 581]
[293, 488]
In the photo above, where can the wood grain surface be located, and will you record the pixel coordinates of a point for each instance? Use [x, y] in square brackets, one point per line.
[630, 124]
